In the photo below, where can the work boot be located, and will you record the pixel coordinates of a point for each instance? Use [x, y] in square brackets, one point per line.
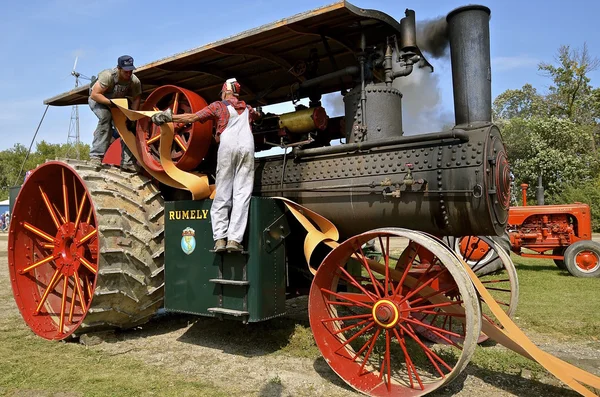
[234, 246]
[220, 245]
[95, 161]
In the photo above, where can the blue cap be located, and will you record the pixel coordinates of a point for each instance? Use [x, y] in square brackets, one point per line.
[125, 62]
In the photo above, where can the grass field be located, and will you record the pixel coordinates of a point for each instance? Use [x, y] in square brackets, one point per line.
[554, 308]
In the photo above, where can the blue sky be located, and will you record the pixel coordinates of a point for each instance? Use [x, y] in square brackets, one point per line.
[40, 40]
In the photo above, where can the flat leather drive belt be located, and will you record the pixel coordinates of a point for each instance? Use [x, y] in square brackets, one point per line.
[321, 230]
[172, 176]
[507, 333]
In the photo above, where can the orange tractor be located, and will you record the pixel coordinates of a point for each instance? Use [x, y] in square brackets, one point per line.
[562, 233]
[559, 232]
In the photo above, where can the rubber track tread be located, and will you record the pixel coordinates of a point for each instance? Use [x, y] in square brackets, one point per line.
[130, 281]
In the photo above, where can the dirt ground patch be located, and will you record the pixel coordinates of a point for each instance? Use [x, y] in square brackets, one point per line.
[247, 360]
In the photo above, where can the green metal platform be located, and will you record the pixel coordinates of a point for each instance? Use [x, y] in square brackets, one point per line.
[247, 286]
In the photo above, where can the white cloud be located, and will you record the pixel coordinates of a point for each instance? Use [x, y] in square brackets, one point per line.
[503, 64]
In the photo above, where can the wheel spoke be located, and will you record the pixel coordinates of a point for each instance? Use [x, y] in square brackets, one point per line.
[79, 291]
[83, 199]
[153, 139]
[89, 217]
[386, 252]
[49, 208]
[371, 346]
[410, 367]
[75, 195]
[352, 326]
[425, 348]
[88, 287]
[176, 103]
[179, 141]
[87, 237]
[359, 333]
[62, 218]
[357, 284]
[65, 196]
[434, 305]
[39, 232]
[387, 356]
[356, 317]
[422, 298]
[431, 327]
[63, 304]
[72, 302]
[87, 264]
[425, 284]
[53, 281]
[495, 281]
[355, 302]
[363, 261]
[39, 263]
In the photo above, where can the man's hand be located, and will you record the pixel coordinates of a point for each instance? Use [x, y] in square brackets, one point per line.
[111, 104]
[163, 117]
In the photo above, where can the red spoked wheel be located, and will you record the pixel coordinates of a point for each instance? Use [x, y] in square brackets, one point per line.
[191, 141]
[68, 268]
[364, 314]
[54, 252]
[480, 253]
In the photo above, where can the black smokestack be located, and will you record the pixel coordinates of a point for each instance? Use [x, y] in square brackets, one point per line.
[432, 37]
[469, 33]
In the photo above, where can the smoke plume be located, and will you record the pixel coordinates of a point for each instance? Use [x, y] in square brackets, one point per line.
[432, 37]
[422, 109]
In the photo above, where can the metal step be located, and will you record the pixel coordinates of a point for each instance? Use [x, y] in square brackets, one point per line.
[220, 310]
[228, 282]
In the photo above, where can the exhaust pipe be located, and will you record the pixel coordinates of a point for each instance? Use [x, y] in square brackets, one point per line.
[469, 35]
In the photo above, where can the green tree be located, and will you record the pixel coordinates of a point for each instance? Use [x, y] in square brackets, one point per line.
[521, 103]
[14, 162]
[557, 148]
[571, 95]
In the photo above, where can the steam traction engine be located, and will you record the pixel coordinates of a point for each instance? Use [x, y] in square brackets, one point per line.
[93, 248]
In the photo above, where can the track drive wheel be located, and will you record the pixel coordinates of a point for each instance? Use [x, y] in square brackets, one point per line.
[86, 249]
[582, 258]
[363, 314]
[191, 141]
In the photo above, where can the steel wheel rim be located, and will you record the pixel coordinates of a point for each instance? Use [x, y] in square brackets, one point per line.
[587, 261]
[348, 341]
[191, 142]
[53, 238]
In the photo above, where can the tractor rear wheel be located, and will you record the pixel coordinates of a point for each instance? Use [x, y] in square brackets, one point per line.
[560, 263]
[582, 259]
[86, 249]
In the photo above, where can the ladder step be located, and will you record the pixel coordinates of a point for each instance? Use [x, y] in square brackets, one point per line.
[228, 282]
[220, 310]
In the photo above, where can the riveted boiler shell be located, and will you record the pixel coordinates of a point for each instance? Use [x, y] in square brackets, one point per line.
[465, 189]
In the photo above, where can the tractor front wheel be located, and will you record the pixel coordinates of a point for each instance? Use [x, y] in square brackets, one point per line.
[582, 259]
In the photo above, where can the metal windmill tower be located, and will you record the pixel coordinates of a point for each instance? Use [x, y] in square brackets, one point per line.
[73, 137]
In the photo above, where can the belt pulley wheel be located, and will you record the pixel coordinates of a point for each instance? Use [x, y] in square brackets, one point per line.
[363, 314]
[85, 249]
[191, 141]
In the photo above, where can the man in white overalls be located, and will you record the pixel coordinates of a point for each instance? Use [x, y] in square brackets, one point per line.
[235, 163]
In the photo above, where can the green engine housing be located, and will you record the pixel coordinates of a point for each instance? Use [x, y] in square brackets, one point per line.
[247, 286]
